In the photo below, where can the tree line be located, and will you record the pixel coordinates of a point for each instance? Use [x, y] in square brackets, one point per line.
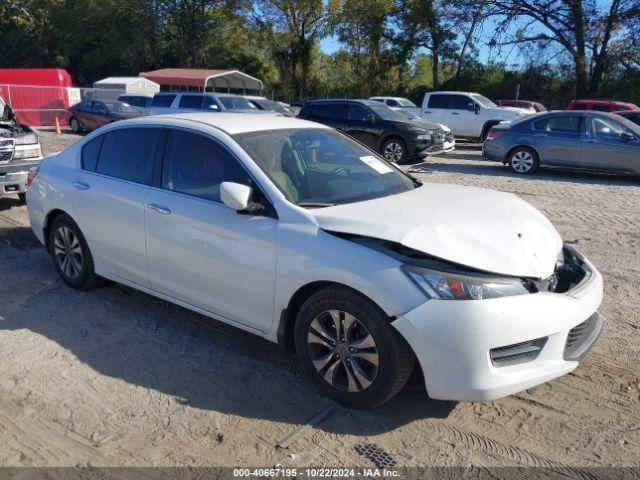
[548, 50]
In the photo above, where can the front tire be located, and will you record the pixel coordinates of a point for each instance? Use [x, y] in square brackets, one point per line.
[71, 255]
[394, 150]
[524, 160]
[349, 349]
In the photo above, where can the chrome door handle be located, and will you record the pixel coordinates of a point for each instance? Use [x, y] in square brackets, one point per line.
[80, 185]
[426, 111]
[159, 209]
[455, 113]
[542, 135]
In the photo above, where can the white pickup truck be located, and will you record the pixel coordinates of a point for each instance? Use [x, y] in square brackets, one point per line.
[467, 114]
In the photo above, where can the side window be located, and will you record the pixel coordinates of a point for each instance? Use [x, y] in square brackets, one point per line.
[440, 101]
[392, 103]
[196, 165]
[565, 124]
[98, 107]
[605, 128]
[580, 106]
[162, 100]
[461, 102]
[358, 113]
[601, 108]
[622, 108]
[191, 101]
[209, 103]
[128, 154]
[337, 111]
[85, 106]
[89, 156]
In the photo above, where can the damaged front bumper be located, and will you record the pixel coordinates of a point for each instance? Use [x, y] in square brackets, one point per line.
[476, 350]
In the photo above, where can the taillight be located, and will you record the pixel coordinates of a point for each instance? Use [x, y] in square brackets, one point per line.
[33, 172]
[493, 134]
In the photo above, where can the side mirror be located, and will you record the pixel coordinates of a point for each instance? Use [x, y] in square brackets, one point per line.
[476, 109]
[371, 118]
[235, 195]
[627, 136]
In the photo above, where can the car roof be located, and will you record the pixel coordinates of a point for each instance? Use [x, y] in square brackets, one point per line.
[345, 100]
[233, 123]
[455, 92]
[605, 102]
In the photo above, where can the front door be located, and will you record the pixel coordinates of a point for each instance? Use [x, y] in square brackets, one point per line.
[606, 149]
[559, 140]
[361, 127]
[200, 251]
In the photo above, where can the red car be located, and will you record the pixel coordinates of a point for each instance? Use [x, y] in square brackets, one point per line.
[602, 105]
[633, 115]
[89, 115]
[533, 107]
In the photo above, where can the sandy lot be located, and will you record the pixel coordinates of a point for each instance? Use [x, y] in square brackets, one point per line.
[115, 377]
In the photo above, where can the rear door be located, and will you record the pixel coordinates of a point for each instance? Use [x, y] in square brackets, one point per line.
[605, 149]
[161, 104]
[438, 108]
[109, 190]
[190, 103]
[200, 251]
[559, 139]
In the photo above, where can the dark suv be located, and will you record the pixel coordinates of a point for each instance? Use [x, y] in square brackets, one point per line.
[378, 127]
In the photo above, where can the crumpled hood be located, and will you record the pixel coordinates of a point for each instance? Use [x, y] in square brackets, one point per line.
[483, 229]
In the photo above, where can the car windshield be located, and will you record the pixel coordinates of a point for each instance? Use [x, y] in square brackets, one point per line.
[407, 114]
[405, 102]
[236, 103]
[321, 167]
[120, 107]
[484, 101]
[387, 113]
[267, 104]
[635, 128]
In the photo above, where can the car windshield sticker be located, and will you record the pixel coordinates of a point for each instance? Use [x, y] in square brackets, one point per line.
[376, 164]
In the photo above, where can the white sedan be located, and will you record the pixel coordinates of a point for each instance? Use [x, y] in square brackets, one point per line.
[294, 232]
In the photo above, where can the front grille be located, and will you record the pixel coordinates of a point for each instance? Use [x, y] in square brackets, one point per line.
[576, 333]
[7, 146]
[517, 353]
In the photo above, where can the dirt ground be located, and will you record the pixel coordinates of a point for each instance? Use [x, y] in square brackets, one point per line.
[114, 377]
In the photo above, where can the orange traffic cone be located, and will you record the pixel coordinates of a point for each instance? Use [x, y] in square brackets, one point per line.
[57, 126]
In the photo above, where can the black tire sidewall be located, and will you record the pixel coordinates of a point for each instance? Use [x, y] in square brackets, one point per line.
[379, 327]
[82, 280]
[536, 161]
[400, 142]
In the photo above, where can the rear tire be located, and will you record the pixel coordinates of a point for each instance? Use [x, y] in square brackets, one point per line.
[349, 349]
[524, 160]
[71, 255]
[394, 150]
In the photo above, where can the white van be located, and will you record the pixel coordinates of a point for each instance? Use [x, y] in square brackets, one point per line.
[467, 114]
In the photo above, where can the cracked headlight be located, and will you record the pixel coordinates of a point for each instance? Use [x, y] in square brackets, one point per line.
[453, 286]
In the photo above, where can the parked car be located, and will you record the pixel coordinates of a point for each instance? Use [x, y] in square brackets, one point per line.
[532, 107]
[467, 114]
[633, 115]
[141, 101]
[562, 139]
[295, 232]
[183, 102]
[602, 105]
[378, 127]
[449, 142]
[398, 103]
[89, 115]
[263, 103]
[20, 151]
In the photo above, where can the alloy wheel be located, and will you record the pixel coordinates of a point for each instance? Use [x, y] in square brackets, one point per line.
[393, 152]
[68, 252]
[522, 161]
[343, 351]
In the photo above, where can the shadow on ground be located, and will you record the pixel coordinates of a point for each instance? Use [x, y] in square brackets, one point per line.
[128, 335]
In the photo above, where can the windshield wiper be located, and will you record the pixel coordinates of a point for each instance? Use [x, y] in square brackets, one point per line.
[315, 204]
